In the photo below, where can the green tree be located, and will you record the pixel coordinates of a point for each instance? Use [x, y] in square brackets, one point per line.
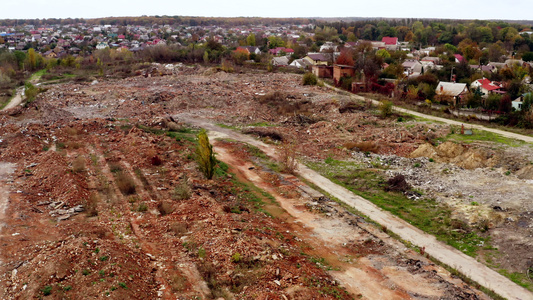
[205, 155]
[383, 53]
[21, 57]
[528, 56]
[250, 40]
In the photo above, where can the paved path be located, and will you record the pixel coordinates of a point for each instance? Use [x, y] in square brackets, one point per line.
[446, 254]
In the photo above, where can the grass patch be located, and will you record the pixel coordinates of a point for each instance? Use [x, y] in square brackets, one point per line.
[186, 134]
[425, 214]
[481, 136]
[227, 126]
[37, 75]
[519, 278]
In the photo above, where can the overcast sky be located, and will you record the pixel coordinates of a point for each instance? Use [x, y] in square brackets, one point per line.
[448, 9]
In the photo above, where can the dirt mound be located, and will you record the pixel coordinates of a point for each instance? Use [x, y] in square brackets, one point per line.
[525, 173]
[465, 157]
[50, 178]
[81, 268]
[425, 150]
[450, 150]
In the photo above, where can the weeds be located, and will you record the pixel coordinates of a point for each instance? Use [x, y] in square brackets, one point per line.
[182, 191]
[287, 157]
[142, 207]
[78, 165]
[236, 257]
[179, 229]
[125, 184]
[47, 290]
[165, 208]
[92, 205]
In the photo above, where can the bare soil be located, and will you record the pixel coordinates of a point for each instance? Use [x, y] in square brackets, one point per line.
[78, 144]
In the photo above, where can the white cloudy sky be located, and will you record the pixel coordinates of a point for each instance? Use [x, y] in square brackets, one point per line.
[449, 9]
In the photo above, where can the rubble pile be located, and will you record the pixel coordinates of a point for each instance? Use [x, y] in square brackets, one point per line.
[70, 228]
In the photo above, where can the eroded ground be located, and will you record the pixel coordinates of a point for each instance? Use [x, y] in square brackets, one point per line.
[152, 226]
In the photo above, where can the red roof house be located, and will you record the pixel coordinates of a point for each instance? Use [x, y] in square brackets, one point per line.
[390, 40]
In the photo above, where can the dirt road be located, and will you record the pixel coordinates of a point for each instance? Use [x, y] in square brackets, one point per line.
[444, 253]
[16, 100]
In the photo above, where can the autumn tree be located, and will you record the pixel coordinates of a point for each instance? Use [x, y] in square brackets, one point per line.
[505, 104]
[345, 58]
[205, 155]
[240, 55]
[32, 59]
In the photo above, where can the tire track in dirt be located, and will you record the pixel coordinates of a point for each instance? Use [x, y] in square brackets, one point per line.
[448, 255]
[6, 169]
[149, 247]
[369, 269]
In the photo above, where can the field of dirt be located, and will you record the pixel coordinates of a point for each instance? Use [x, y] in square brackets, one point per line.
[98, 199]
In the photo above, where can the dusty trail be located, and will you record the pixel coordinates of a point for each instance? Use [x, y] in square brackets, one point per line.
[329, 237]
[6, 169]
[442, 252]
[16, 100]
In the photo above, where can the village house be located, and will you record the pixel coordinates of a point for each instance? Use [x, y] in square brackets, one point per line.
[412, 67]
[280, 61]
[519, 102]
[317, 59]
[487, 87]
[301, 63]
[281, 50]
[391, 43]
[451, 92]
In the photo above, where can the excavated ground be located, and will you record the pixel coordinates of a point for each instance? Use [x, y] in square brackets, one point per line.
[101, 204]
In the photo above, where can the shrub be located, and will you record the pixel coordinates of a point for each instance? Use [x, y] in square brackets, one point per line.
[287, 157]
[179, 229]
[182, 191]
[309, 79]
[92, 205]
[78, 165]
[125, 183]
[205, 155]
[165, 208]
[385, 108]
[30, 91]
[397, 184]
[156, 161]
[47, 290]
[236, 257]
